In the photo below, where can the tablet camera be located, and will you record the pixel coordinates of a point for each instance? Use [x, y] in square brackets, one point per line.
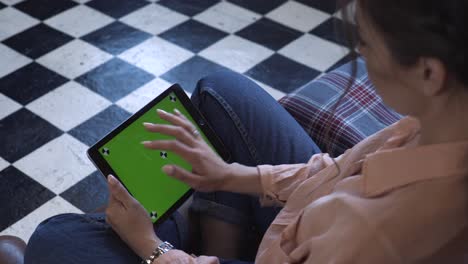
[163, 154]
[105, 151]
[173, 98]
[153, 215]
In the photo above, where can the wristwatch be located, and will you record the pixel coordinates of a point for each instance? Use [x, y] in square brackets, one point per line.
[163, 248]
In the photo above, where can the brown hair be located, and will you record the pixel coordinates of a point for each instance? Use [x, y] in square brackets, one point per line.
[411, 29]
[423, 28]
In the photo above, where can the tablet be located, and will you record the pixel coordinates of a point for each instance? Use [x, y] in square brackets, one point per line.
[139, 169]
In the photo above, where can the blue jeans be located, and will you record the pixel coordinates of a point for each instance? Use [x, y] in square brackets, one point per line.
[253, 127]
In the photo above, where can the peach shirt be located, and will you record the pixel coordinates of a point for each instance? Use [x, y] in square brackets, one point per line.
[391, 202]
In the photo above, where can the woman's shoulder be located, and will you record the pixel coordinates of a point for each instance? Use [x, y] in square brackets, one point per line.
[399, 133]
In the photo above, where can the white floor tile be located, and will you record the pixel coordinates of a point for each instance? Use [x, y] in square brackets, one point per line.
[69, 105]
[154, 19]
[298, 16]
[25, 227]
[11, 60]
[11, 2]
[74, 58]
[7, 106]
[81, 1]
[314, 52]
[273, 92]
[236, 53]
[3, 164]
[227, 17]
[13, 21]
[79, 21]
[140, 97]
[156, 55]
[57, 165]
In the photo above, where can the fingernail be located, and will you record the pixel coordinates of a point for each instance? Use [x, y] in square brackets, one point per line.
[149, 126]
[111, 179]
[168, 169]
[145, 142]
[177, 111]
[161, 111]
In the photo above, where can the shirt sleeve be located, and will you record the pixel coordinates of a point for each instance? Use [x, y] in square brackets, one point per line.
[180, 257]
[341, 235]
[278, 182]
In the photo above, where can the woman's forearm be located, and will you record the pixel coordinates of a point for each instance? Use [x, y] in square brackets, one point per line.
[243, 179]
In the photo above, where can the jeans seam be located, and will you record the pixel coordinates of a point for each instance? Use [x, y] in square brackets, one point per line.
[237, 122]
[94, 219]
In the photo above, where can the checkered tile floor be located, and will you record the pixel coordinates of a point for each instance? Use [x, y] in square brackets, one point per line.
[72, 70]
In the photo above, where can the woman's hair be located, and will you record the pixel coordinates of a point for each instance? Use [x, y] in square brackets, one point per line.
[423, 28]
[411, 29]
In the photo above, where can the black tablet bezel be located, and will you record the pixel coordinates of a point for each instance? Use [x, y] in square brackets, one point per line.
[104, 167]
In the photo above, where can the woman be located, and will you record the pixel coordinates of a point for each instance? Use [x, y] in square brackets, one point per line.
[399, 196]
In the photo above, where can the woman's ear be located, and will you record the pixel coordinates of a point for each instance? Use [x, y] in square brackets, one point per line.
[433, 77]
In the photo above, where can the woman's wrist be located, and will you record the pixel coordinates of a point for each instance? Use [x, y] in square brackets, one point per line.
[242, 179]
[147, 247]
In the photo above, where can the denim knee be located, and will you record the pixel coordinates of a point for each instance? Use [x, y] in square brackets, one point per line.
[46, 240]
[77, 238]
[222, 82]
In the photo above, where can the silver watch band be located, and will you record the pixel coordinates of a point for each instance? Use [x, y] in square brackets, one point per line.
[163, 248]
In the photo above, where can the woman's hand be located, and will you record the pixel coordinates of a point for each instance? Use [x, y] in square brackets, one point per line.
[130, 220]
[209, 171]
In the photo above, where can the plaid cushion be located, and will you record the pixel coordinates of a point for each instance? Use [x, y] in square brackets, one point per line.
[360, 114]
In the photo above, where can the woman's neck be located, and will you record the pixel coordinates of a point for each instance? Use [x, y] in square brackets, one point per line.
[445, 122]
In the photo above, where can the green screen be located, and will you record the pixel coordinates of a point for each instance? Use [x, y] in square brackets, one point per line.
[139, 169]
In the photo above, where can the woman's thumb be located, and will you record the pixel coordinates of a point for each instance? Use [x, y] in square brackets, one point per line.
[117, 190]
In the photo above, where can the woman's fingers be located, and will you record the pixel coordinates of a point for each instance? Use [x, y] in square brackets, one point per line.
[176, 120]
[179, 133]
[183, 175]
[175, 146]
[179, 114]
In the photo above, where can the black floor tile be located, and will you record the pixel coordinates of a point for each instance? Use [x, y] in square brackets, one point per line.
[334, 30]
[37, 41]
[43, 9]
[188, 7]
[328, 6]
[115, 79]
[282, 73]
[99, 125]
[188, 73]
[193, 35]
[30, 82]
[269, 33]
[116, 37]
[19, 196]
[261, 7]
[117, 8]
[88, 194]
[22, 132]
